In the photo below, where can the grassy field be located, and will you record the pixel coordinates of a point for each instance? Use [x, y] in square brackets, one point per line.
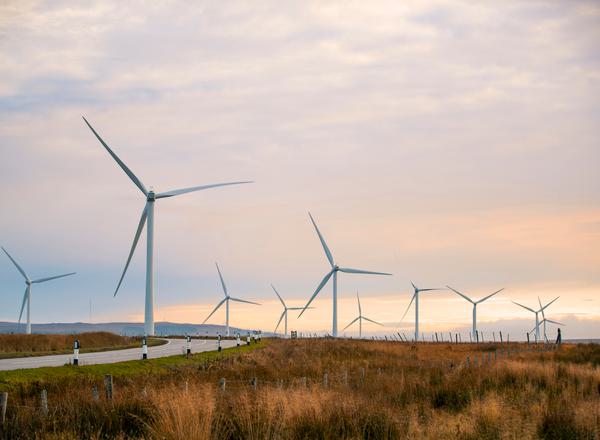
[320, 389]
[21, 345]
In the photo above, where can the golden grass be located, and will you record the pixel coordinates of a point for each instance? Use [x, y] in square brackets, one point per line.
[407, 391]
[21, 343]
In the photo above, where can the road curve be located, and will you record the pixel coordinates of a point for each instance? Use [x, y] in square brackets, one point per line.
[171, 348]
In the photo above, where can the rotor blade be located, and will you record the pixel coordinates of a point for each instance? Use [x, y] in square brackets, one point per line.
[19, 268]
[279, 322]
[298, 308]
[41, 280]
[23, 305]
[177, 192]
[414, 287]
[489, 296]
[370, 320]
[355, 319]
[278, 296]
[129, 173]
[214, 310]
[541, 308]
[409, 304]
[359, 309]
[550, 302]
[368, 272]
[243, 301]
[325, 248]
[461, 294]
[140, 228]
[525, 307]
[222, 282]
[319, 287]
[555, 322]
[427, 290]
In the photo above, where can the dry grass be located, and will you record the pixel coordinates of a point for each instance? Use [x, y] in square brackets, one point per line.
[406, 391]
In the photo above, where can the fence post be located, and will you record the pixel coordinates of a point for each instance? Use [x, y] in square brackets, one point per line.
[468, 361]
[494, 336]
[527, 338]
[44, 401]
[436, 337]
[345, 377]
[325, 380]
[108, 386]
[95, 394]
[501, 336]
[477, 336]
[253, 382]
[362, 374]
[3, 405]
[222, 383]
[304, 382]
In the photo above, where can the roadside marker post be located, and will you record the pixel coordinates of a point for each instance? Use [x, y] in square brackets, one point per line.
[248, 339]
[188, 345]
[76, 352]
[219, 343]
[144, 348]
[237, 339]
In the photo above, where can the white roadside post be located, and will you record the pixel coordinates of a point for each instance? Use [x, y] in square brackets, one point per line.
[219, 343]
[237, 339]
[188, 345]
[76, 352]
[144, 348]
[248, 339]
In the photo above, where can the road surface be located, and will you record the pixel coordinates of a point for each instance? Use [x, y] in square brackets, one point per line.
[171, 348]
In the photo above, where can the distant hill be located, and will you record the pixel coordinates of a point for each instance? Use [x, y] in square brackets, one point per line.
[121, 328]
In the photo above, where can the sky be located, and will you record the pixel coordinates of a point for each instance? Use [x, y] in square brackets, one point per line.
[447, 142]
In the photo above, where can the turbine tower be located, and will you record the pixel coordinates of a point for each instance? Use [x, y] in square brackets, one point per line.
[333, 273]
[359, 318]
[284, 314]
[415, 298]
[148, 217]
[537, 319]
[474, 304]
[27, 294]
[226, 301]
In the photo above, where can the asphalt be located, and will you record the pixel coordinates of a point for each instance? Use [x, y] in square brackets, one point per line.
[171, 348]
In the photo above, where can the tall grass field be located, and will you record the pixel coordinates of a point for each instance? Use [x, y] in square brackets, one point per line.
[324, 389]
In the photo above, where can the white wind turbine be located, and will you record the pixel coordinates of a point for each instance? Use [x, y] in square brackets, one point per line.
[544, 320]
[333, 272]
[537, 319]
[474, 305]
[284, 314]
[27, 294]
[226, 301]
[415, 298]
[359, 318]
[148, 217]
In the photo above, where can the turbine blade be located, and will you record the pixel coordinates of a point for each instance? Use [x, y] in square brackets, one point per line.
[355, 319]
[359, 309]
[298, 308]
[129, 173]
[278, 296]
[370, 320]
[368, 272]
[414, 287]
[525, 307]
[24, 301]
[461, 294]
[550, 302]
[409, 304]
[243, 301]
[555, 322]
[427, 290]
[279, 322]
[222, 282]
[489, 296]
[177, 192]
[319, 287]
[541, 308]
[214, 310]
[140, 228]
[41, 280]
[19, 268]
[325, 247]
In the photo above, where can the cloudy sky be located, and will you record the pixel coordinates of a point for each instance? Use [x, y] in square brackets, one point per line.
[445, 142]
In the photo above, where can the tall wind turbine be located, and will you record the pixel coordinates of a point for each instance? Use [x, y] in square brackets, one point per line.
[27, 294]
[474, 304]
[415, 298]
[284, 314]
[226, 301]
[148, 217]
[537, 319]
[544, 320]
[359, 318]
[333, 273]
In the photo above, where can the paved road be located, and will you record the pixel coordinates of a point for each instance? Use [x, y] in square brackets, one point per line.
[171, 348]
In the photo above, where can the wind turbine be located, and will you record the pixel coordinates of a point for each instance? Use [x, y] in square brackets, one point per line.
[333, 273]
[27, 294]
[284, 314]
[474, 304]
[415, 298]
[226, 301]
[544, 320]
[359, 318]
[148, 217]
[537, 319]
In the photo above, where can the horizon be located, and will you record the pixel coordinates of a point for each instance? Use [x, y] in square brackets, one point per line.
[448, 145]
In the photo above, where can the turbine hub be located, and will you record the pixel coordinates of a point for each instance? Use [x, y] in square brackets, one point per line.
[28, 282]
[336, 267]
[151, 196]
